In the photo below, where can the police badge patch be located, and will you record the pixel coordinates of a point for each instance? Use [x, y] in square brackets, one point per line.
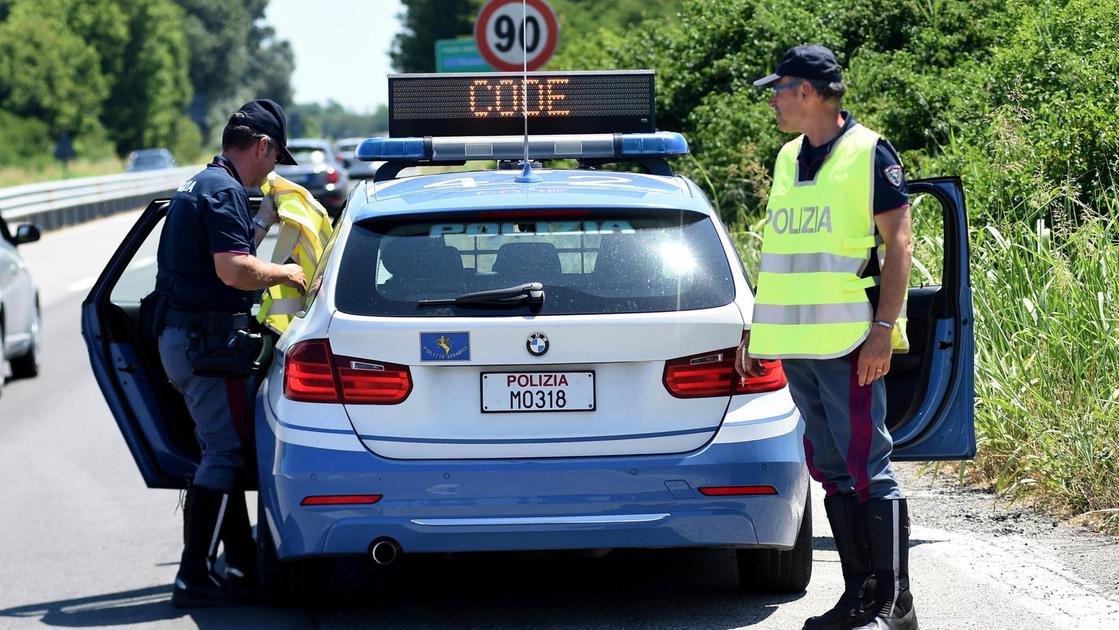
[894, 174]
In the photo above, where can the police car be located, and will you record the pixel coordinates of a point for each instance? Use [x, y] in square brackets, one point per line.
[536, 359]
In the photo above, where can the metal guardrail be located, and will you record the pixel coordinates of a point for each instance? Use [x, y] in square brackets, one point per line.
[66, 202]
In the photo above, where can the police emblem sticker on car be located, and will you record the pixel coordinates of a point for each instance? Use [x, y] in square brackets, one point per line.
[537, 344]
[444, 346]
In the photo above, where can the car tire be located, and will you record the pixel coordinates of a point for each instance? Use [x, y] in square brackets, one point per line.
[777, 571]
[27, 364]
[287, 582]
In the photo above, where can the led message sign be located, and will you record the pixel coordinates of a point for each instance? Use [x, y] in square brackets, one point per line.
[494, 104]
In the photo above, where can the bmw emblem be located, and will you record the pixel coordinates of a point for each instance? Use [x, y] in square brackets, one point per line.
[537, 344]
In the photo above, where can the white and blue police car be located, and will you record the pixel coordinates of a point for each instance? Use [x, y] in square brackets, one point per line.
[535, 359]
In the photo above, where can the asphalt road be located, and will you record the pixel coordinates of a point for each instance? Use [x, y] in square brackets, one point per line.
[84, 544]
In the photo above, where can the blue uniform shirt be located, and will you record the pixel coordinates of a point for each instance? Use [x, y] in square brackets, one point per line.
[209, 214]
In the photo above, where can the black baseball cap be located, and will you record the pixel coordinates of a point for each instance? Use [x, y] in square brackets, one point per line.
[267, 117]
[808, 61]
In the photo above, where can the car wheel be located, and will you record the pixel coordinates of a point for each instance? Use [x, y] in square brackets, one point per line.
[27, 364]
[777, 571]
[287, 582]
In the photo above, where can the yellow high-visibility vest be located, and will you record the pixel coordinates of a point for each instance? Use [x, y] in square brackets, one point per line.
[811, 301]
[304, 231]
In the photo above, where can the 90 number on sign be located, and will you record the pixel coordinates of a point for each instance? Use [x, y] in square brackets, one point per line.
[504, 30]
[512, 34]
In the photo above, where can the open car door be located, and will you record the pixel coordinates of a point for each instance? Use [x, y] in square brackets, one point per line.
[930, 409]
[150, 413]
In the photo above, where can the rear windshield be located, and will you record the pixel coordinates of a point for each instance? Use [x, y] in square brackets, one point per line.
[589, 261]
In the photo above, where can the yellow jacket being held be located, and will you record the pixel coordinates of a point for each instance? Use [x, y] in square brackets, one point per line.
[304, 231]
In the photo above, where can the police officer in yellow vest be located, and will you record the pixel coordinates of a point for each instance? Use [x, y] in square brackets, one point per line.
[830, 304]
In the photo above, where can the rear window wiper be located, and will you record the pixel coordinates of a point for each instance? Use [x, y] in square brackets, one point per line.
[530, 293]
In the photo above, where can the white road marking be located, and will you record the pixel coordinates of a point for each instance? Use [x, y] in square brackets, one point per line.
[1030, 574]
[86, 283]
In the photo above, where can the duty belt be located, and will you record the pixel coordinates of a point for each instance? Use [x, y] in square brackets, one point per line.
[212, 322]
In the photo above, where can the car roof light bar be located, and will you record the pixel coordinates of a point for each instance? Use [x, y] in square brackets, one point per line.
[540, 147]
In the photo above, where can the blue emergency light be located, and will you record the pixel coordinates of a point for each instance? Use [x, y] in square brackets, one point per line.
[550, 147]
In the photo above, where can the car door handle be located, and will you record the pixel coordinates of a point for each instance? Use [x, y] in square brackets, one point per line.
[128, 369]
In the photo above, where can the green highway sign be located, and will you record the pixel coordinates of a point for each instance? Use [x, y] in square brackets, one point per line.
[459, 55]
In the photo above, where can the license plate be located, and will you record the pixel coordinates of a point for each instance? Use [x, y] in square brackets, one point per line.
[506, 392]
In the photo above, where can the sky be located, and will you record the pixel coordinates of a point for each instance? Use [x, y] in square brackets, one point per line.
[341, 48]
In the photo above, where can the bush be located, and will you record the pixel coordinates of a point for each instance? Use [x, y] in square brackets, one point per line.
[23, 140]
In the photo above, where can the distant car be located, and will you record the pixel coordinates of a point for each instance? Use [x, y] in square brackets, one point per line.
[354, 167]
[150, 160]
[319, 171]
[20, 333]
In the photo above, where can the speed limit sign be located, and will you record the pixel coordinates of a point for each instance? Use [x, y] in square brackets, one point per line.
[507, 34]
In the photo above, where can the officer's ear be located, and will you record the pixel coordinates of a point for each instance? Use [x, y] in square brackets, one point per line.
[264, 146]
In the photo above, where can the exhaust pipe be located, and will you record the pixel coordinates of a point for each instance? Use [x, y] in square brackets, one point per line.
[384, 551]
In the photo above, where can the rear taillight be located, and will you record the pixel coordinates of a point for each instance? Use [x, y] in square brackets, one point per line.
[712, 374]
[341, 499]
[312, 373]
[736, 491]
[308, 373]
[332, 175]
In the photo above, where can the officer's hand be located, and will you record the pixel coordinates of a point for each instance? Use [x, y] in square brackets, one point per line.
[744, 364]
[267, 212]
[874, 356]
[294, 278]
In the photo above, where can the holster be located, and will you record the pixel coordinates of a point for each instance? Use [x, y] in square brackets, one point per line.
[234, 354]
[221, 344]
[153, 307]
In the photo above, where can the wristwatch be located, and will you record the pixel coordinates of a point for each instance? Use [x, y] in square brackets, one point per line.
[885, 324]
[261, 224]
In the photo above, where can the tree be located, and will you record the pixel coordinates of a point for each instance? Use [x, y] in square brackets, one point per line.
[47, 72]
[219, 52]
[425, 21]
[271, 59]
[147, 100]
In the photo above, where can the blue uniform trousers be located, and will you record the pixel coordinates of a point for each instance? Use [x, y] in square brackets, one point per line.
[220, 409]
[846, 444]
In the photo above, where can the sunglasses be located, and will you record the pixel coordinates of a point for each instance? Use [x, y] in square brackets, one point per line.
[787, 86]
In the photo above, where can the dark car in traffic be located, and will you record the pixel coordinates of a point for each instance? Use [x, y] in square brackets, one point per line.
[319, 171]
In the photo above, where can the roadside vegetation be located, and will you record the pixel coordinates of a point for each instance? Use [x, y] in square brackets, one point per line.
[1021, 99]
[96, 79]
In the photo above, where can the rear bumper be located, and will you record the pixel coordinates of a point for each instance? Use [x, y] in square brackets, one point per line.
[506, 505]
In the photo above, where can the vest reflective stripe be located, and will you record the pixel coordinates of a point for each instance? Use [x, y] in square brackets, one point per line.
[809, 263]
[304, 231]
[811, 302]
[286, 306]
[813, 313]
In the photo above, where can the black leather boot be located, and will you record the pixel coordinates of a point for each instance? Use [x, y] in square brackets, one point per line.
[196, 584]
[854, 558]
[240, 549]
[887, 523]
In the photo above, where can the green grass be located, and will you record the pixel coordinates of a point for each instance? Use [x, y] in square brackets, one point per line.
[1047, 362]
[31, 174]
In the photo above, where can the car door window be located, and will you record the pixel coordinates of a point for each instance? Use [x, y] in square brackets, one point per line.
[138, 278]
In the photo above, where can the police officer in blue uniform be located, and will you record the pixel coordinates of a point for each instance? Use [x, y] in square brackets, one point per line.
[208, 279]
